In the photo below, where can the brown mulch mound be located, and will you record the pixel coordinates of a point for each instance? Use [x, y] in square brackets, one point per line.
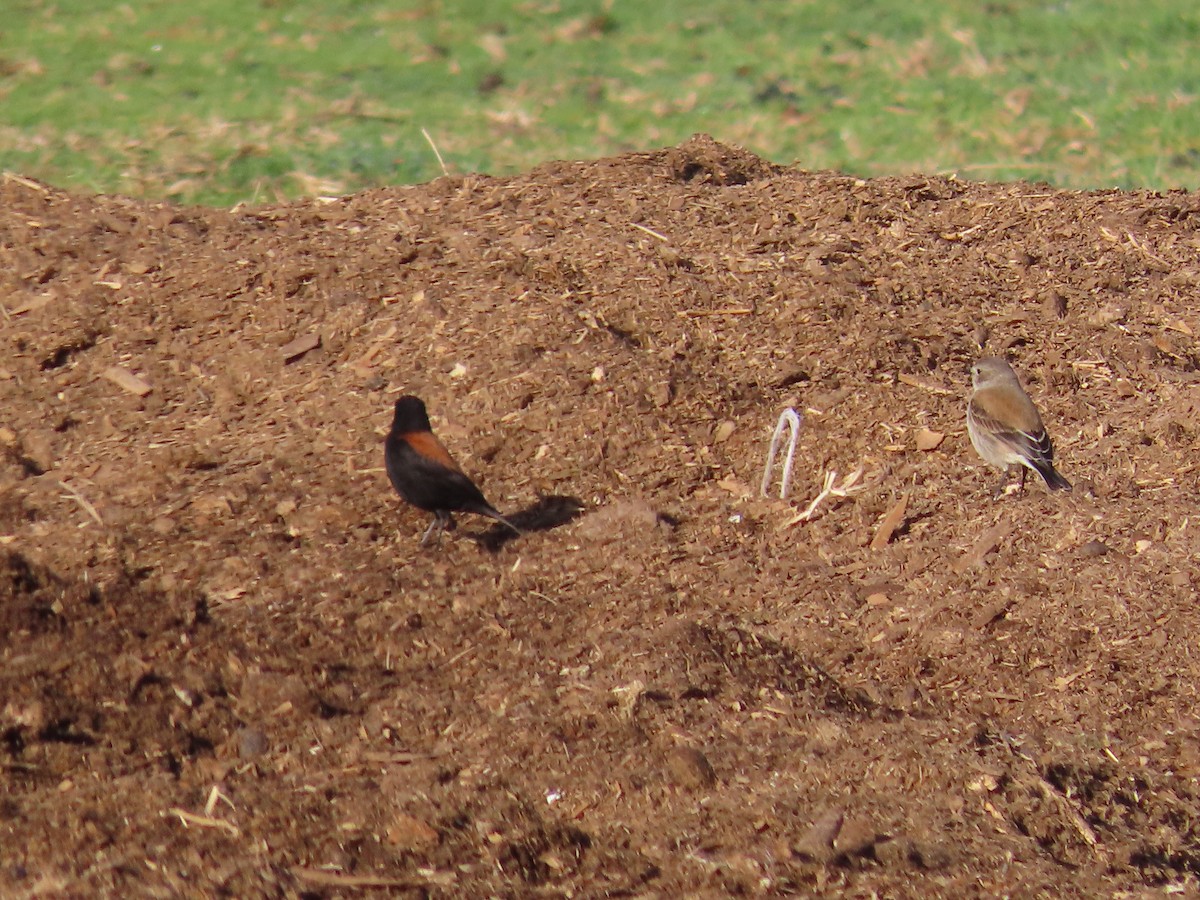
[227, 667]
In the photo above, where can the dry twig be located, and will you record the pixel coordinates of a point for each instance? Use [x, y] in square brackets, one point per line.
[82, 501]
[831, 488]
[188, 818]
[24, 182]
[651, 232]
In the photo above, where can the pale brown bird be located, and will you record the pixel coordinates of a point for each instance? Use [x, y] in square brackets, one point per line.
[1006, 428]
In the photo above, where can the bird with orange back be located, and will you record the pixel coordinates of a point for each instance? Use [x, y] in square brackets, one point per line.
[425, 475]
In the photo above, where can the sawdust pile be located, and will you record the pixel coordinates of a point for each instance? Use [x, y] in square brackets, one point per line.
[226, 665]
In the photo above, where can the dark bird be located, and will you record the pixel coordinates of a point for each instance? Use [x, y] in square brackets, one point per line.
[424, 474]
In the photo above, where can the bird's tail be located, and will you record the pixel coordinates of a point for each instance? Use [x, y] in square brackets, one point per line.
[1054, 481]
[491, 512]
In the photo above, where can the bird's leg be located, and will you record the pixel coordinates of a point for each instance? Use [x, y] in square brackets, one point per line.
[437, 526]
[1024, 472]
[437, 521]
[999, 492]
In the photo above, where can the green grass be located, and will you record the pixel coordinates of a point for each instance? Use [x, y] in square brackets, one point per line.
[220, 101]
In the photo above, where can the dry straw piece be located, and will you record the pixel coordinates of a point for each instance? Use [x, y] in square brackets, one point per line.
[830, 488]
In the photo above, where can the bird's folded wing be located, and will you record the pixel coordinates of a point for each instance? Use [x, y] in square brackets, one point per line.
[428, 446]
[1033, 445]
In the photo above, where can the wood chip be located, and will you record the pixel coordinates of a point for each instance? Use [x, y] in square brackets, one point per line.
[1065, 681]
[398, 758]
[410, 833]
[889, 524]
[33, 304]
[337, 879]
[704, 313]
[993, 612]
[988, 541]
[126, 380]
[735, 487]
[928, 439]
[295, 349]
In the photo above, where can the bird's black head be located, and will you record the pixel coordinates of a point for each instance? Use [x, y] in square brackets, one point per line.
[410, 415]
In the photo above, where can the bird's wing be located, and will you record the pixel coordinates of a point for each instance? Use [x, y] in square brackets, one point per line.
[429, 483]
[428, 446]
[1033, 444]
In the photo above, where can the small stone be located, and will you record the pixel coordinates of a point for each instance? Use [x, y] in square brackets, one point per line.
[163, 525]
[294, 349]
[856, 837]
[38, 450]
[252, 742]
[1056, 305]
[690, 768]
[429, 306]
[816, 844]
[1109, 314]
[1094, 548]
[723, 432]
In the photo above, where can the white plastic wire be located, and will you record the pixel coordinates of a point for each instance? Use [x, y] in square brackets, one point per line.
[791, 419]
